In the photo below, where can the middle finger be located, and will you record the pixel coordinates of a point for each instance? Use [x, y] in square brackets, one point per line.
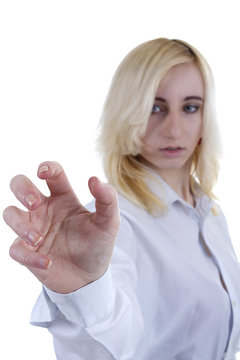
[26, 192]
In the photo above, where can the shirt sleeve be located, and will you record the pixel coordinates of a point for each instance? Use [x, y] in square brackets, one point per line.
[102, 320]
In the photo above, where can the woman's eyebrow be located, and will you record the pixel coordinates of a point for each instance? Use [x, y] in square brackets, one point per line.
[193, 97]
[160, 99]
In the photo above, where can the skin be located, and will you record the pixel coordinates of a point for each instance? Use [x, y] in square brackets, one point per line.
[176, 121]
[63, 244]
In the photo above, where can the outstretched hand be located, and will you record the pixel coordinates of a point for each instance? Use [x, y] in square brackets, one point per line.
[59, 240]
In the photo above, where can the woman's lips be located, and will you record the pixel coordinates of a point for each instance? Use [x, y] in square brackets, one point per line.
[172, 151]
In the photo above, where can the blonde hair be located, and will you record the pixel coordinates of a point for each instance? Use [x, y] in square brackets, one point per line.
[126, 113]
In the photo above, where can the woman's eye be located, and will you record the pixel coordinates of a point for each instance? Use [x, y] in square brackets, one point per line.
[191, 108]
[156, 109]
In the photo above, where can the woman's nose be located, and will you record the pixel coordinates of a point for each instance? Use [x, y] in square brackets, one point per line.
[172, 126]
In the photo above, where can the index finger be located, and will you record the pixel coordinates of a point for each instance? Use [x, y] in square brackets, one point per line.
[55, 177]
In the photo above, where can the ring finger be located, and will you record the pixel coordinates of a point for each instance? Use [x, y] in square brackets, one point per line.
[18, 220]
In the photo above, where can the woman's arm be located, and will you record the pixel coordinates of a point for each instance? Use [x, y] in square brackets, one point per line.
[69, 249]
[60, 241]
[102, 318]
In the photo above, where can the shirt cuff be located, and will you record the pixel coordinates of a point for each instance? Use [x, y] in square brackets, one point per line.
[88, 305]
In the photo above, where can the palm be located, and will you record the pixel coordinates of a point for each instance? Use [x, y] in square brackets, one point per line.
[78, 242]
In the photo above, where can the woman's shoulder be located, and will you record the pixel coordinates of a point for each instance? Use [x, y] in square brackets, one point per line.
[130, 211]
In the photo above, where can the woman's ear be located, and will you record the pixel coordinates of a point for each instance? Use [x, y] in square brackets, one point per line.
[200, 141]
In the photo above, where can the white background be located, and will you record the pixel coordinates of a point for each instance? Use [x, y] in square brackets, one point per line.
[56, 62]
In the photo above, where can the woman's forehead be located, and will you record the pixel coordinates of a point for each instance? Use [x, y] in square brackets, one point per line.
[182, 80]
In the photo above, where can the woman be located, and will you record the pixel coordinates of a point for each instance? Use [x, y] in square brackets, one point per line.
[164, 282]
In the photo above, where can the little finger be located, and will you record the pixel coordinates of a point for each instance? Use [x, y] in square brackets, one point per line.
[21, 253]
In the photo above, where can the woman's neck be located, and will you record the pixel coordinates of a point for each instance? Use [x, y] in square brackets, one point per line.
[179, 181]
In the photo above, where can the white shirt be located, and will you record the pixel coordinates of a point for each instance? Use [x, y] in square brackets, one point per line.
[162, 297]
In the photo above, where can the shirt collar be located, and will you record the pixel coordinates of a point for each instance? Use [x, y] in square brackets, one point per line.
[159, 187]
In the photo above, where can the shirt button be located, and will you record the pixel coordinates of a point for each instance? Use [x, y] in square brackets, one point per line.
[234, 303]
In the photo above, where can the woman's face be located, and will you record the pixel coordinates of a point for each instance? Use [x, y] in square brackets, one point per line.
[175, 125]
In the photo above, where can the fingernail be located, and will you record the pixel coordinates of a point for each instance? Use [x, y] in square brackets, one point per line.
[94, 180]
[43, 168]
[45, 263]
[35, 238]
[30, 199]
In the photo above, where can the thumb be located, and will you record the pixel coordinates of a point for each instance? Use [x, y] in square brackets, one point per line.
[107, 212]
